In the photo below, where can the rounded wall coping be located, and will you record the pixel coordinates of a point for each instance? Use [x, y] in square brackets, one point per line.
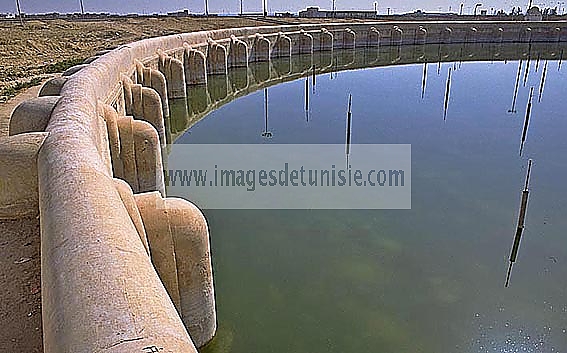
[121, 59]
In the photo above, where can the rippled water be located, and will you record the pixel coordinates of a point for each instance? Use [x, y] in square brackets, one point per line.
[429, 279]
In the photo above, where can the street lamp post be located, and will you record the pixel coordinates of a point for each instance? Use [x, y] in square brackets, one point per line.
[19, 12]
[241, 8]
[461, 10]
[207, 8]
[475, 8]
[333, 9]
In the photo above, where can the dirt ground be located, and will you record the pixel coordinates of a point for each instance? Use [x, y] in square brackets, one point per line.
[20, 286]
[20, 293]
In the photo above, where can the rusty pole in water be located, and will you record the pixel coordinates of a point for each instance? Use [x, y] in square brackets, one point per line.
[513, 109]
[266, 133]
[527, 71]
[520, 228]
[306, 94]
[314, 74]
[306, 99]
[542, 82]
[439, 59]
[447, 90]
[349, 126]
[424, 80]
[527, 119]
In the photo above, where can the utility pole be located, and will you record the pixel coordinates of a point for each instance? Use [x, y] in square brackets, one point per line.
[19, 12]
[241, 12]
[207, 8]
[461, 10]
[375, 8]
[82, 9]
[333, 9]
[265, 2]
[475, 8]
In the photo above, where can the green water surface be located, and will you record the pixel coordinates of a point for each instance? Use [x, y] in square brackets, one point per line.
[429, 279]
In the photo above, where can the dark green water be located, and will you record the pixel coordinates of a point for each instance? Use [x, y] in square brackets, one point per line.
[429, 279]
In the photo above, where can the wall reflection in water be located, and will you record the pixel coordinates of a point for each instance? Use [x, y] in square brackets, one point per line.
[222, 89]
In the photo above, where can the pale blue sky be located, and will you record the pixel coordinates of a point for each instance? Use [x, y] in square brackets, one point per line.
[232, 6]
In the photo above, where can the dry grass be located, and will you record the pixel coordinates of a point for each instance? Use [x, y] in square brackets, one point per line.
[28, 55]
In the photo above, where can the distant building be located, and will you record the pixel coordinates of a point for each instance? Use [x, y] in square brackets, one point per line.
[183, 13]
[427, 16]
[534, 14]
[315, 12]
[284, 14]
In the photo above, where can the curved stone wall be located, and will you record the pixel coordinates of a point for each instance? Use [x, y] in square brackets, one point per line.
[123, 268]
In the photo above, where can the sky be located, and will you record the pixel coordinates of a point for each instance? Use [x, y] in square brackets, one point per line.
[233, 6]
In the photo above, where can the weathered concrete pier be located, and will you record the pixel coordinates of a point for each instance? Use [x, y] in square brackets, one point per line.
[124, 267]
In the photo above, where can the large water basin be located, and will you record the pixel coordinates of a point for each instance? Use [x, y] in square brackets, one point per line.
[427, 279]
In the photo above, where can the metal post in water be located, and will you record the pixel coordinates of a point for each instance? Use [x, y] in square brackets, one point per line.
[266, 133]
[424, 80]
[447, 90]
[335, 66]
[439, 59]
[526, 72]
[513, 109]
[349, 127]
[527, 120]
[521, 221]
[306, 94]
[542, 82]
[313, 79]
